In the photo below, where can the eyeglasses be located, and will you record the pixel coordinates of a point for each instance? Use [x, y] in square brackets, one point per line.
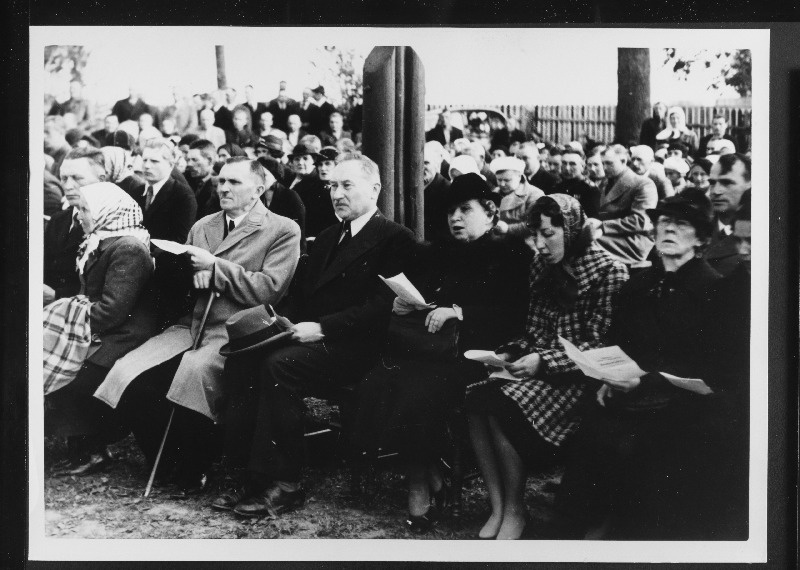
[677, 222]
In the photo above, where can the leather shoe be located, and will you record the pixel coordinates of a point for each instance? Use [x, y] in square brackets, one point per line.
[272, 501]
[232, 497]
[190, 487]
[97, 462]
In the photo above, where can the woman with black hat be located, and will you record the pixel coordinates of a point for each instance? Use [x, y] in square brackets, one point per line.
[476, 282]
[525, 421]
[313, 191]
[648, 461]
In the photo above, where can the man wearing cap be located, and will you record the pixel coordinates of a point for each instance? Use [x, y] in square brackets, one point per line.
[272, 147]
[312, 190]
[675, 169]
[719, 128]
[335, 131]
[534, 173]
[436, 187]
[319, 111]
[241, 257]
[729, 181]
[341, 311]
[623, 226]
[517, 194]
[573, 183]
[643, 163]
[200, 162]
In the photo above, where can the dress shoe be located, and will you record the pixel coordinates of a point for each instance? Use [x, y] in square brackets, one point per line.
[232, 497]
[272, 501]
[187, 487]
[97, 462]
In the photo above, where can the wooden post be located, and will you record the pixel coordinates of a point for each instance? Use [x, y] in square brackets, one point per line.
[633, 93]
[222, 81]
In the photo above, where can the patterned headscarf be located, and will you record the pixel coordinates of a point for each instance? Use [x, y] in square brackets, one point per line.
[118, 166]
[115, 213]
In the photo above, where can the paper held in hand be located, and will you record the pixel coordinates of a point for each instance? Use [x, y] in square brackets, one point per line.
[612, 363]
[490, 358]
[404, 289]
[169, 246]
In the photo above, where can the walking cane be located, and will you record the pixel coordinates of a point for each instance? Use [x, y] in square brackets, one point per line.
[195, 344]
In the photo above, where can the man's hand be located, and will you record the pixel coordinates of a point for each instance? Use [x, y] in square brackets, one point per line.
[526, 367]
[200, 258]
[623, 385]
[400, 307]
[604, 392]
[438, 317]
[597, 227]
[501, 227]
[202, 279]
[49, 295]
[307, 332]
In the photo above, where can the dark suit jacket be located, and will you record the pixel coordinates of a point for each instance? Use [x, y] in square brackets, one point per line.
[117, 280]
[205, 193]
[279, 115]
[544, 180]
[125, 111]
[722, 252]
[60, 254]
[318, 117]
[287, 203]
[583, 191]
[328, 139]
[172, 213]
[437, 134]
[345, 295]
[317, 201]
[436, 226]
[702, 148]
[53, 192]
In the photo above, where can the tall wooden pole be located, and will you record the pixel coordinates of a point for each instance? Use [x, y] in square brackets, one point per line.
[633, 93]
[222, 81]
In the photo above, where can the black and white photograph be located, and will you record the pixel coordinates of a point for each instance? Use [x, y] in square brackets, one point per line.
[409, 294]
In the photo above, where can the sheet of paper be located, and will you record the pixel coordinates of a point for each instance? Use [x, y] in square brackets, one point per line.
[404, 289]
[695, 385]
[609, 362]
[505, 374]
[170, 246]
[486, 357]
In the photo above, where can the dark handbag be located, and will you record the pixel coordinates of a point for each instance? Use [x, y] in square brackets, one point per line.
[408, 337]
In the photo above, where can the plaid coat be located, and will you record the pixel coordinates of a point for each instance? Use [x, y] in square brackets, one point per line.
[549, 401]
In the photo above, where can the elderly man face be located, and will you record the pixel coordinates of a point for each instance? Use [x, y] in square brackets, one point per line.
[640, 161]
[265, 121]
[719, 126]
[571, 166]
[238, 188]
[156, 164]
[613, 164]
[293, 122]
[353, 194]
[594, 167]
[659, 110]
[530, 155]
[432, 161]
[77, 173]
[554, 162]
[197, 165]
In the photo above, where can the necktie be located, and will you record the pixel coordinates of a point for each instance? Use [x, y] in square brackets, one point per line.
[229, 227]
[148, 199]
[345, 235]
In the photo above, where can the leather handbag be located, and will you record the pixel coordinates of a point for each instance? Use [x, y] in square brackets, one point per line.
[408, 337]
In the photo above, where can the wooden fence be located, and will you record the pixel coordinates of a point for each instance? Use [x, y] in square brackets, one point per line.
[564, 123]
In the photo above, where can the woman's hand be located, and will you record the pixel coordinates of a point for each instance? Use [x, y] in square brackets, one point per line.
[526, 367]
[438, 317]
[623, 385]
[201, 259]
[604, 392]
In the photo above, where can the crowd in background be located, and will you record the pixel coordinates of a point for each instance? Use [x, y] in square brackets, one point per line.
[274, 207]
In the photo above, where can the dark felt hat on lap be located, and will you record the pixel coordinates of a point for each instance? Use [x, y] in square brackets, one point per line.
[251, 329]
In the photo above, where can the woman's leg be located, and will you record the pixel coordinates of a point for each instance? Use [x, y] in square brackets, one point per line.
[513, 481]
[489, 466]
[419, 495]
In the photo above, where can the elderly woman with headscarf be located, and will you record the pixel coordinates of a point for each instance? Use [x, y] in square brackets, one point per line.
[119, 168]
[658, 453]
[84, 335]
[523, 416]
[476, 284]
[678, 131]
[463, 164]
[517, 194]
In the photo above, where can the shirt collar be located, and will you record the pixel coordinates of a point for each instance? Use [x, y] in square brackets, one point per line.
[724, 228]
[156, 187]
[358, 224]
[236, 221]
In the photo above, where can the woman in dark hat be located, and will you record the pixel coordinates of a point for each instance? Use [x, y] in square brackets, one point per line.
[524, 422]
[648, 463]
[477, 284]
[313, 191]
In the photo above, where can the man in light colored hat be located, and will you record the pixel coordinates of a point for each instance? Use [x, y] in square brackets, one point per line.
[676, 169]
[242, 256]
[643, 163]
[517, 194]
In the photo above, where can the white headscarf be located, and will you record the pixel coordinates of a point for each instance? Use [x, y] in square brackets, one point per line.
[465, 164]
[115, 213]
[674, 132]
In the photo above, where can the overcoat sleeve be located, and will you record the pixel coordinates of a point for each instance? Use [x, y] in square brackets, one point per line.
[645, 197]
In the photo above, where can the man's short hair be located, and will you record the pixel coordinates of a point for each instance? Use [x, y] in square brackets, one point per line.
[531, 145]
[162, 145]
[189, 139]
[728, 161]
[369, 169]
[335, 114]
[256, 169]
[571, 150]
[596, 149]
[718, 116]
[55, 123]
[206, 148]
[619, 150]
[206, 112]
[92, 154]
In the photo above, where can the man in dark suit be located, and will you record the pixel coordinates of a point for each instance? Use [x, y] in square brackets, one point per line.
[312, 190]
[200, 162]
[654, 125]
[131, 108]
[719, 128]
[534, 173]
[169, 211]
[104, 135]
[436, 187]
[573, 183]
[335, 131]
[319, 112]
[623, 223]
[729, 182]
[281, 107]
[341, 310]
[444, 132]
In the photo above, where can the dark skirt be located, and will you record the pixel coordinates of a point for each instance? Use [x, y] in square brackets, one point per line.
[404, 406]
[535, 451]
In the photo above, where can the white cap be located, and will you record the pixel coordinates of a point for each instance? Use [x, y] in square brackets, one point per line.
[465, 164]
[507, 163]
[676, 164]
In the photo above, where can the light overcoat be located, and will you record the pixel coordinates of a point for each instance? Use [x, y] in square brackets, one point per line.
[255, 264]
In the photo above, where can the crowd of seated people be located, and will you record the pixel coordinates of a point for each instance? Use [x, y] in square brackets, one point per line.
[270, 292]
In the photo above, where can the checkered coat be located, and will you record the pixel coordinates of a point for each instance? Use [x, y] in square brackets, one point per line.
[549, 401]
